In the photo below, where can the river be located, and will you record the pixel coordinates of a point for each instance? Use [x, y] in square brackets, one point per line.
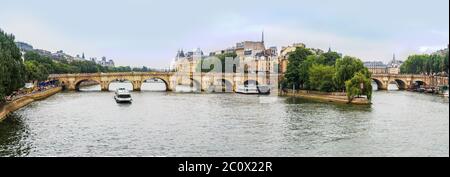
[398, 123]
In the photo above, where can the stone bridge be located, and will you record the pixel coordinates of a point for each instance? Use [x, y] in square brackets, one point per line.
[220, 82]
[405, 81]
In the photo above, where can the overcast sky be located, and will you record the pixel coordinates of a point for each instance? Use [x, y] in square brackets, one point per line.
[138, 32]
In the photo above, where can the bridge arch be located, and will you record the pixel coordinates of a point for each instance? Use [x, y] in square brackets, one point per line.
[120, 80]
[418, 83]
[166, 83]
[401, 84]
[182, 84]
[78, 82]
[380, 85]
[393, 82]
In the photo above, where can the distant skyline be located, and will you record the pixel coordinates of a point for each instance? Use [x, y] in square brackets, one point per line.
[149, 33]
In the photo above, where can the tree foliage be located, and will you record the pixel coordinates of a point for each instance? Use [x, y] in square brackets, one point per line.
[359, 85]
[425, 64]
[296, 75]
[327, 72]
[12, 69]
[321, 78]
[43, 65]
[330, 58]
[35, 71]
[346, 68]
[211, 64]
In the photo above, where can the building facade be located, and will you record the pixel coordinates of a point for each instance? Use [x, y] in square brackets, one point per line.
[378, 67]
[187, 62]
[394, 66]
[253, 57]
[284, 55]
[103, 62]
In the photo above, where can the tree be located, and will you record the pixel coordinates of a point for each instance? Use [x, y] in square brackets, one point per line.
[211, 62]
[446, 63]
[321, 78]
[330, 58]
[346, 68]
[359, 85]
[143, 69]
[304, 69]
[425, 64]
[35, 71]
[12, 70]
[295, 73]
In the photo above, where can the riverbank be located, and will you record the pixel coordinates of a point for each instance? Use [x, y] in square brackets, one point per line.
[334, 97]
[16, 104]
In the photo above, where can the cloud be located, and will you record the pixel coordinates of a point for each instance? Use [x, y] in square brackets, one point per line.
[39, 33]
[150, 32]
[366, 49]
[430, 49]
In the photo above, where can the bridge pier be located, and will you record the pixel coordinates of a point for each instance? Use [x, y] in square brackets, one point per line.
[137, 85]
[104, 86]
[70, 85]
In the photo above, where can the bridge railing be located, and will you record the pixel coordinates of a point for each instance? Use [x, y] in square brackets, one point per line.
[106, 74]
[399, 75]
[143, 74]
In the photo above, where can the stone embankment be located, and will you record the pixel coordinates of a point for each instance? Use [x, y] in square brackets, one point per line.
[23, 101]
[336, 97]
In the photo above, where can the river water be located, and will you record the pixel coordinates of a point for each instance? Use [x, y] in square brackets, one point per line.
[174, 124]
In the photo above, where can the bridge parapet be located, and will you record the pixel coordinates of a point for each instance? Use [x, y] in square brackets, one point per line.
[109, 74]
[408, 80]
[202, 80]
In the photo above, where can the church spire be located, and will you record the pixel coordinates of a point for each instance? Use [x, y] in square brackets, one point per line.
[262, 37]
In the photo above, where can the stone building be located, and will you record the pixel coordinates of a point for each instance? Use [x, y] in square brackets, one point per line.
[187, 62]
[376, 67]
[393, 67]
[284, 55]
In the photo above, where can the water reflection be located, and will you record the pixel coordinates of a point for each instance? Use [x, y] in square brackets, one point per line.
[154, 85]
[13, 135]
[393, 87]
[176, 124]
[91, 88]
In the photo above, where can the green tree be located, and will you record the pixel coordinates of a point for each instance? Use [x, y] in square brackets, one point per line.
[87, 66]
[12, 69]
[346, 68]
[210, 63]
[446, 63]
[304, 69]
[359, 85]
[330, 58]
[35, 71]
[296, 75]
[424, 64]
[321, 78]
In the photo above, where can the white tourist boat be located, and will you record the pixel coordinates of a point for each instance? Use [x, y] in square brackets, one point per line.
[253, 89]
[122, 95]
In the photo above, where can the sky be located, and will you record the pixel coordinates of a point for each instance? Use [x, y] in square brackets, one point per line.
[149, 32]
